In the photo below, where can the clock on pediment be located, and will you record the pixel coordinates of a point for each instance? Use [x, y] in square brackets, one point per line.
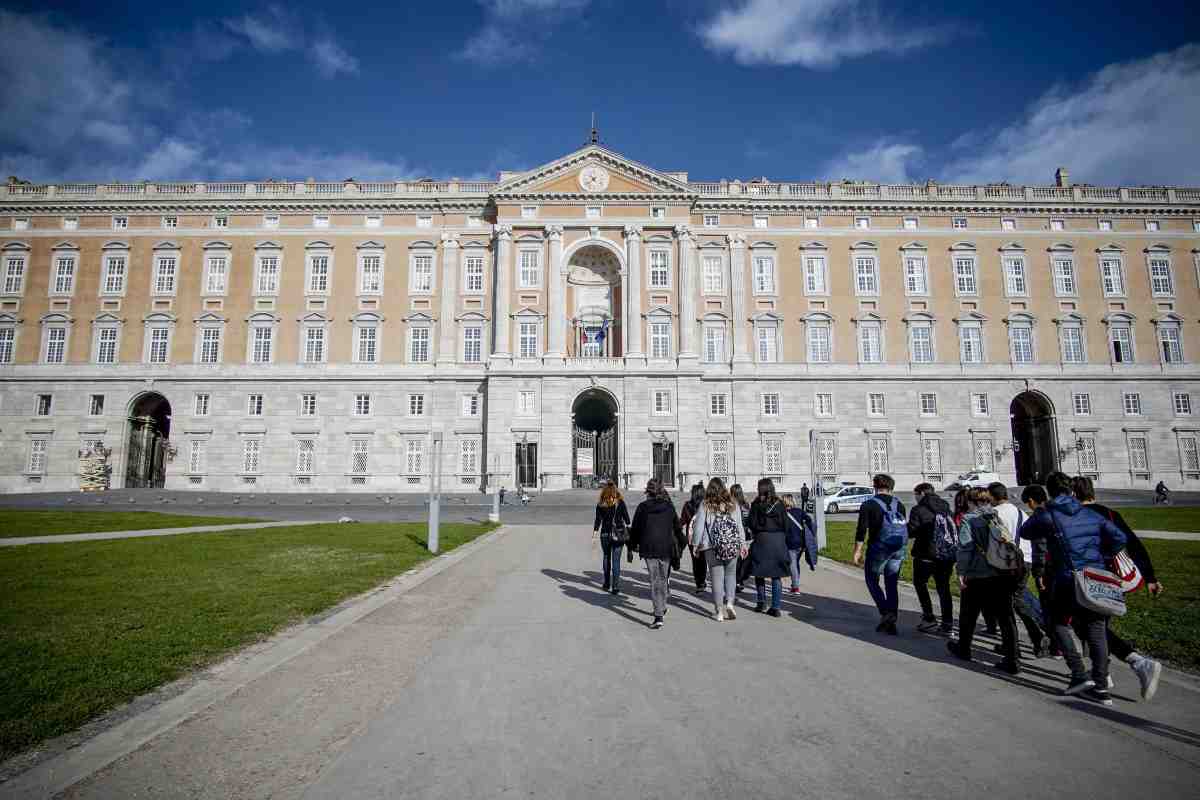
[593, 178]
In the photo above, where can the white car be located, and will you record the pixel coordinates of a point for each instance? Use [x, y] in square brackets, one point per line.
[847, 498]
[972, 479]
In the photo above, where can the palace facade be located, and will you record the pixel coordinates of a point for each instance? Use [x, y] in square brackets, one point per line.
[594, 316]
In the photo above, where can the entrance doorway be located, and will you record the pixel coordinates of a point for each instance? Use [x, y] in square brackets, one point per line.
[1035, 432]
[593, 439]
[149, 430]
[663, 458]
[527, 464]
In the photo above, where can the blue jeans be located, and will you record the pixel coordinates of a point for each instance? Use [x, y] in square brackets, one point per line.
[881, 561]
[612, 561]
[794, 566]
[760, 584]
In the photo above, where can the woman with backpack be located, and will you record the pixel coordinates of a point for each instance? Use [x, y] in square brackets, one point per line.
[769, 553]
[718, 536]
[739, 500]
[658, 537]
[801, 538]
[699, 568]
[612, 523]
[934, 539]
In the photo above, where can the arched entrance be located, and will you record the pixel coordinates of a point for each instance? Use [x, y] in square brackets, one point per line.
[594, 283]
[593, 438]
[149, 429]
[1036, 435]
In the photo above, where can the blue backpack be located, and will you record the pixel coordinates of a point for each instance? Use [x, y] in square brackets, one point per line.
[893, 534]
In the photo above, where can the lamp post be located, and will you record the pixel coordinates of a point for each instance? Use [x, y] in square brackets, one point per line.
[494, 516]
[435, 492]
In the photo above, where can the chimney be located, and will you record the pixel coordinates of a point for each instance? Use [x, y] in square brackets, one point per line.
[1062, 178]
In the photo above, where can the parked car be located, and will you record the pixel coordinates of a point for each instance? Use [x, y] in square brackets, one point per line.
[847, 498]
[972, 479]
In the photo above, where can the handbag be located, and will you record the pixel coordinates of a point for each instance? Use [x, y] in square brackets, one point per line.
[1096, 589]
[1125, 569]
[620, 533]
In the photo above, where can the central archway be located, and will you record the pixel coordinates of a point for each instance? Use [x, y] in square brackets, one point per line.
[593, 438]
[1035, 433]
[149, 431]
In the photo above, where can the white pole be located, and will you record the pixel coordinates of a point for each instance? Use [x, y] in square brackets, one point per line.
[435, 493]
[818, 492]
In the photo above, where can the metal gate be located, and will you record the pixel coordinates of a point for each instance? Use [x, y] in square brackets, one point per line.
[606, 455]
[664, 463]
[527, 464]
[145, 463]
[583, 459]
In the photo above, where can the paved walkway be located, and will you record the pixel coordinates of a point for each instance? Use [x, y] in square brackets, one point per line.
[510, 674]
[92, 537]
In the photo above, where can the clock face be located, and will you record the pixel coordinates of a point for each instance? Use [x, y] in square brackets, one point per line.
[594, 178]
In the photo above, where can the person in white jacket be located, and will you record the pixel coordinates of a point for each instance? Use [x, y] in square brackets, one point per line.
[718, 509]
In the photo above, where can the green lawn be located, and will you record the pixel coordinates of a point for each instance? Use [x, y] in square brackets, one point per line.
[86, 626]
[1151, 518]
[1167, 627]
[20, 522]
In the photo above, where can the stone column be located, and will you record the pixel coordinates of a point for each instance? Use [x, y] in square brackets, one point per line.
[737, 290]
[447, 329]
[631, 293]
[501, 295]
[556, 275]
[687, 299]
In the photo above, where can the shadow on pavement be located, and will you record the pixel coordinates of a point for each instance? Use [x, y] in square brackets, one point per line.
[1190, 738]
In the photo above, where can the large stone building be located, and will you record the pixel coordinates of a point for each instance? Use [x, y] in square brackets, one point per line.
[595, 315]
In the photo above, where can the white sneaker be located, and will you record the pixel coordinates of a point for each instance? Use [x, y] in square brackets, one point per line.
[1111, 683]
[729, 612]
[1148, 671]
[719, 617]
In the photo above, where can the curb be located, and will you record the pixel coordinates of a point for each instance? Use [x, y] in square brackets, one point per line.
[62, 771]
[102, 536]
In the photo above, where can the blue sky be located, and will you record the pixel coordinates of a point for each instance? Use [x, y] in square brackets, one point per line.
[789, 89]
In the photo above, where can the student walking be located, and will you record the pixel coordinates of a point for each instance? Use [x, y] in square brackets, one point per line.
[883, 529]
[1034, 497]
[769, 553]
[699, 572]
[612, 523]
[658, 537]
[1025, 605]
[718, 536]
[934, 539]
[801, 538]
[743, 505]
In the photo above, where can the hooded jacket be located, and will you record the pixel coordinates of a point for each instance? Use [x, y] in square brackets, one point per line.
[656, 531]
[920, 525]
[1076, 536]
[973, 534]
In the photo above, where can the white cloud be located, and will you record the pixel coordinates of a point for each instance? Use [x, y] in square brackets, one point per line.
[514, 29]
[884, 162]
[275, 30]
[331, 59]
[811, 33]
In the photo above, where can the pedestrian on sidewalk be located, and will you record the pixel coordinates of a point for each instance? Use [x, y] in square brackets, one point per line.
[769, 553]
[612, 523]
[699, 567]
[658, 537]
[739, 500]
[1147, 670]
[801, 538]
[883, 530]
[984, 585]
[717, 534]
[1076, 537]
[934, 542]
[1025, 605]
[1034, 497]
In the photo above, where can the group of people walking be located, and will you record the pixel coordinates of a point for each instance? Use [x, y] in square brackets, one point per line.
[1062, 539]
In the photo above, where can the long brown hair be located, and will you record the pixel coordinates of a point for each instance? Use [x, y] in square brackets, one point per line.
[716, 496]
[738, 496]
[610, 495]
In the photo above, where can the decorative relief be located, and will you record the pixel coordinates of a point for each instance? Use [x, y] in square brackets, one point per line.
[633, 231]
[504, 231]
[593, 178]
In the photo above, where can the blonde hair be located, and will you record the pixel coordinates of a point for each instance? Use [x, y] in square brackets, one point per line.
[610, 495]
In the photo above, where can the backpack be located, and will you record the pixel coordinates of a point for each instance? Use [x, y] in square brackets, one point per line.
[724, 538]
[893, 534]
[945, 538]
[1002, 552]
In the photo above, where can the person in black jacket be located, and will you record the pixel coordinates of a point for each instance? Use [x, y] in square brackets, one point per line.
[611, 514]
[926, 565]
[878, 559]
[699, 567]
[769, 554]
[658, 537]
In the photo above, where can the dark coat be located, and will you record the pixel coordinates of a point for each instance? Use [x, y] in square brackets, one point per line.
[920, 525]
[656, 531]
[606, 515]
[1076, 536]
[802, 535]
[769, 555]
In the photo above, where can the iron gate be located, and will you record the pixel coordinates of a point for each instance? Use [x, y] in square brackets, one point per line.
[527, 464]
[606, 455]
[145, 463]
[664, 462]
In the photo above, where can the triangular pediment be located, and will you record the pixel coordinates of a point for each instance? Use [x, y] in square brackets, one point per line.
[592, 171]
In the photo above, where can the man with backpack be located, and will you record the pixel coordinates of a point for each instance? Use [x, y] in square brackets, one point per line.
[883, 529]
[1025, 605]
[934, 551]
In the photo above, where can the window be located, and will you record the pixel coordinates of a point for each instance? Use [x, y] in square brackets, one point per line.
[70, 223]
[985, 454]
[305, 456]
[527, 340]
[965, 280]
[1064, 277]
[718, 405]
[8, 340]
[472, 344]
[200, 404]
[1112, 276]
[814, 275]
[320, 221]
[1196, 226]
[418, 345]
[1139, 455]
[120, 223]
[164, 275]
[870, 343]
[1082, 404]
[416, 405]
[767, 344]
[1183, 404]
[660, 340]
[530, 275]
[470, 405]
[220, 221]
[714, 282]
[1170, 343]
[473, 278]
[1152, 225]
[526, 403]
[267, 279]
[421, 279]
[373, 221]
[760, 221]
[216, 274]
[20, 223]
[827, 455]
[764, 275]
[210, 345]
[1189, 455]
[262, 344]
[959, 222]
[1121, 337]
[270, 220]
[254, 405]
[42, 405]
[878, 448]
[970, 344]
[928, 404]
[862, 223]
[660, 269]
[714, 344]
[1072, 344]
[915, 275]
[1008, 224]
[170, 222]
[314, 344]
[529, 212]
[424, 221]
[1020, 340]
[931, 456]
[875, 404]
[823, 404]
[592, 212]
[1015, 282]
[1131, 402]
[196, 456]
[1088, 462]
[468, 463]
[251, 449]
[370, 273]
[362, 405]
[660, 402]
[866, 275]
[772, 456]
[818, 343]
[14, 274]
[812, 223]
[55, 349]
[366, 344]
[308, 405]
[318, 274]
[658, 212]
[64, 275]
[1162, 284]
[1104, 224]
[921, 343]
[719, 454]
[37, 456]
[770, 404]
[979, 404]
[359, 452]
[1056, 225]
[712, 220]
[414, 456]
[910, 223]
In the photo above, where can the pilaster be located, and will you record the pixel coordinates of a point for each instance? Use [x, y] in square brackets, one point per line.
[737, 289]
[687, 299]
[447, 353]
[557, 295]
[502, 296]
[631, 294]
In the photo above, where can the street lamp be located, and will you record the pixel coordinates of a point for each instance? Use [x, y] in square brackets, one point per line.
[435, 492]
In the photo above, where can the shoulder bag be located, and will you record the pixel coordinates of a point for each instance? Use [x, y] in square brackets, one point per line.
[1096, 590]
